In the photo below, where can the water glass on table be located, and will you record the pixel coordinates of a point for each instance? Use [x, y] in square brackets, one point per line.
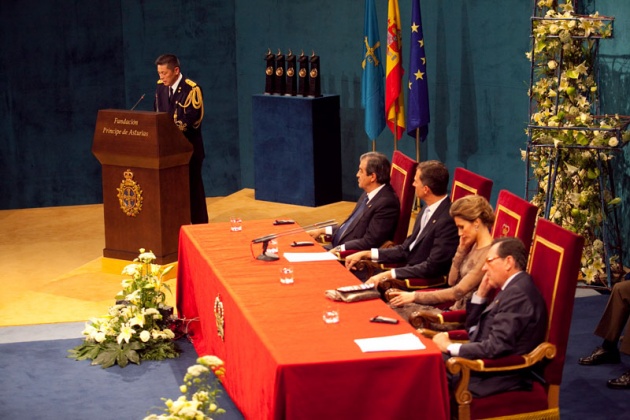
[331, 313]
[286, 275]
[236, 224]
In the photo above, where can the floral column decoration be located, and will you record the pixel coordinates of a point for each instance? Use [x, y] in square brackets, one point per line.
[570, 147]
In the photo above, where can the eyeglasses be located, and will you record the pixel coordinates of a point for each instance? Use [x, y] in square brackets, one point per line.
[490, 259]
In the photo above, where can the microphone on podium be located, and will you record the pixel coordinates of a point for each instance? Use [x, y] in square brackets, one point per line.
[134, 107]
[264, 256]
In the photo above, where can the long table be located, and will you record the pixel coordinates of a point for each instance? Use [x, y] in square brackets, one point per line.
[282, 361]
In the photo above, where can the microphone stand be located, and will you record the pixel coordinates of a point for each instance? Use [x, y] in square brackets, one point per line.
[265, 239]
[134, 107]
[267, 257]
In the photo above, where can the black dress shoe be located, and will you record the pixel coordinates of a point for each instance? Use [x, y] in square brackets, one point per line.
[622, 382]
[600, 356]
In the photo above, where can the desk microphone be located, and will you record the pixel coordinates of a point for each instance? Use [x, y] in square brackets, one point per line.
[134, 107]
[265, 239]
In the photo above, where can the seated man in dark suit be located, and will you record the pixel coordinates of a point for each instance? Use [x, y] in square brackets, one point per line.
[514, 322]
[374, 219]
[613, 322]
[428, 251]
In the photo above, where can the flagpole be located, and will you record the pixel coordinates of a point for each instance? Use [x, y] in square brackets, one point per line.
[395, 128]
[418, 145]
[417, 201]
[374, 145]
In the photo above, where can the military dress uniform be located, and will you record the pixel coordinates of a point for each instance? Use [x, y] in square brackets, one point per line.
[186, 107]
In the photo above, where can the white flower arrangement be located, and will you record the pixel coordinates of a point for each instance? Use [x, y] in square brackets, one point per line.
[134, 329]
[200, 390]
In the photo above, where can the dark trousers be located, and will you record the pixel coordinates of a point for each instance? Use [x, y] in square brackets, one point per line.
[198, 209]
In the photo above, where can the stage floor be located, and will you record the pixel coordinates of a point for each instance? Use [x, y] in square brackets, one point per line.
[52, 265]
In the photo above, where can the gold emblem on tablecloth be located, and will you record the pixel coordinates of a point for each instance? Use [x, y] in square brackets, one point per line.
[218, 315]
[130, 195]
[505, 230]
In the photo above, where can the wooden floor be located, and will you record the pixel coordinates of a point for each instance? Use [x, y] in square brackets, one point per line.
[52, 262]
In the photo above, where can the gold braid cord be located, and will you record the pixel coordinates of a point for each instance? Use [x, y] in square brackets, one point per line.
[195, 98]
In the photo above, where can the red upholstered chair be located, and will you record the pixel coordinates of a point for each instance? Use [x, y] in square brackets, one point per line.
[514, 216]
[554, 264]
[402, 174]
[466, 182]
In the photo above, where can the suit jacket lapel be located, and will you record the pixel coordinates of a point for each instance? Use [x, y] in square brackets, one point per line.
[433, 218]
[356, 219]
[414, 232]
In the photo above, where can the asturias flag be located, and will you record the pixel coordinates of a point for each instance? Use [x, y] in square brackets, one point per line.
[372, 87]
[418, 97]
[394, 100]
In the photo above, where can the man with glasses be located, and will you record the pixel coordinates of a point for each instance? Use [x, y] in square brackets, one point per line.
[513, 322]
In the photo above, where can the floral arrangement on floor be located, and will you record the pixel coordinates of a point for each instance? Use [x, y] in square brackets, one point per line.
[137, 327]
[200, 390]
[563, 129]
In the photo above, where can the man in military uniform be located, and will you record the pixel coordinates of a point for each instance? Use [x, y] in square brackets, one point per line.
[182, 98]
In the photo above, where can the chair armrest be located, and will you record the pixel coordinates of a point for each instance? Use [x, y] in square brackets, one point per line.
[503, 364]
[409, 284]
[454, 316]
[460, 336]
[388, 244]
[447, 320]
[324, 239]
[462, 366]
[344, 254]
[428, 333]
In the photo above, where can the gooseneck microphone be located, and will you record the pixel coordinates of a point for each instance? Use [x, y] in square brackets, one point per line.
[139, 100]
[264, 256]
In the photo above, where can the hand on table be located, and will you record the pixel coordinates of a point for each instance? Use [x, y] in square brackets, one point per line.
[400, 298]
[316, 233]
[379, 278]
[442, 340]
[352, 259]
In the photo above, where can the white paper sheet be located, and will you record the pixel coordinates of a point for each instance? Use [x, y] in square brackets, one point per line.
[309, 256]
[389, 343]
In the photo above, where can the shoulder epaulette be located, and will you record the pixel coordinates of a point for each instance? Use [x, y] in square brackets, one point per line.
[194, 98]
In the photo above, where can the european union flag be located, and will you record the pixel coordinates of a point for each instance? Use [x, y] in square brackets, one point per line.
[418, 98]
[372, 86]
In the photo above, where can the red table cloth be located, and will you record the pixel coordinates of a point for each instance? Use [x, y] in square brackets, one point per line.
[282, 361]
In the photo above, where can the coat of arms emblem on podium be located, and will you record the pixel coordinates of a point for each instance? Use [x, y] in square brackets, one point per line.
[130, 195]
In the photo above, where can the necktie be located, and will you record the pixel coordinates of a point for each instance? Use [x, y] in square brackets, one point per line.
[426, 215]
[170, 94]
[344, 226]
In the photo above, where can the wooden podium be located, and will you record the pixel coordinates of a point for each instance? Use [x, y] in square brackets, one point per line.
[146, 198]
